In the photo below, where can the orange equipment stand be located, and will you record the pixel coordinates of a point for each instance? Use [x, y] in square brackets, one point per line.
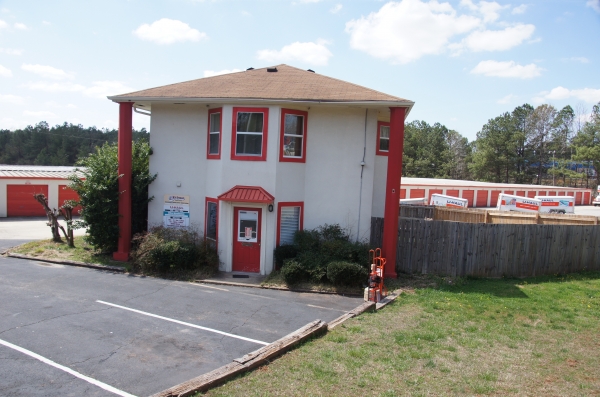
[376, 288]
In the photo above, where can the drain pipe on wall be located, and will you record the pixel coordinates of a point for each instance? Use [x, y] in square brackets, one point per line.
[362, 169]
[138, 110]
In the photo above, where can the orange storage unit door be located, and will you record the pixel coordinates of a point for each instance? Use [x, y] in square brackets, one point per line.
[494, 198]
[521, 193]
[402, 193]
[64, 194]
[551, 193]
[509, 192]
[586, 198]
[572, 194]
[578, 197]
[542, 193]
[482, 197]
[469, 195]
[531, 193]
[453, 193]
[20, 201]
[417, 193]
[433, 191]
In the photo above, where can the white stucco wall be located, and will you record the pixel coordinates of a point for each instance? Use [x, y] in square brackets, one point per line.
[53, 185]
[329, 183]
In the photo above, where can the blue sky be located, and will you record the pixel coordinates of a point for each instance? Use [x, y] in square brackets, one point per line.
[462, 61]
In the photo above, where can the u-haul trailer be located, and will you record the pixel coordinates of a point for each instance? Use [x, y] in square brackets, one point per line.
[557, 204]
[441, 200]
[508, 202]
[414, 201]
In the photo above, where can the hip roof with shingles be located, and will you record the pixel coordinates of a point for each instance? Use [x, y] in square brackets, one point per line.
[287, 83]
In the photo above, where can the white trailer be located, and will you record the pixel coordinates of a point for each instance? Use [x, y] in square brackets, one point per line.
[508, 202]
[442, 200]
[414, 201]
[557, 204]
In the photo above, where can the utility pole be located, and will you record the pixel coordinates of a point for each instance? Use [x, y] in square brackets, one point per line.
[553, 183]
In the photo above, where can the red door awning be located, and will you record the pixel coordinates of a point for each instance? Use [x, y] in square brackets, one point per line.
[247, 194]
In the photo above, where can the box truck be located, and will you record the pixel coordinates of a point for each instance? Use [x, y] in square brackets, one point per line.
[508, 202]
[557, 204]
[414, 201]
[442, 200]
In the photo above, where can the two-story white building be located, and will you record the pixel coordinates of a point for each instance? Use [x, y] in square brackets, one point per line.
[251, 157]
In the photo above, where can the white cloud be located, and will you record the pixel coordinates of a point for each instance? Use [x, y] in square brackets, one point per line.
[577, 59]
[102, 89]
[507, 99]
[210, 73]
[507, 69]
[5, 72]
[336, 8]
[168, 31]
[3, 24]
[10, 51]
[489, 10]
[12, 99]
[55, 87]
[310, 53]
[46, 23]
[406, 31]
[20, 26]
[595, 4]
[40, 114]
[46, 71]
[519, 9]
[498, 40]
[589, 95]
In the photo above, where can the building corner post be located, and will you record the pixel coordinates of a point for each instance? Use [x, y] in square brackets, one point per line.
[392, 190]
[124, 157]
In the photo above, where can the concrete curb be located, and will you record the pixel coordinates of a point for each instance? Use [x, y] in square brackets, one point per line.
[68, 262]
[265, 354]
[234, 284]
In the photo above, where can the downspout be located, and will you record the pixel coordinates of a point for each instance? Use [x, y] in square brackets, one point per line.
[362, 169]
[135, 109]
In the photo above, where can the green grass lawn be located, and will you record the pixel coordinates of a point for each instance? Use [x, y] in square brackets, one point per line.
[532, 337]
[83, 252]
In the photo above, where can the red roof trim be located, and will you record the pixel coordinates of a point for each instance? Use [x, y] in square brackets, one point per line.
[247, 194]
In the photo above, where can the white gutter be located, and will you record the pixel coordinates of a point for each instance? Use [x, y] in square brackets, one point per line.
[135, 109]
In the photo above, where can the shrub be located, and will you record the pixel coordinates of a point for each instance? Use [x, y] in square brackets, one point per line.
[346, 273]
[164, 250]
[293, 272]
[284, 252]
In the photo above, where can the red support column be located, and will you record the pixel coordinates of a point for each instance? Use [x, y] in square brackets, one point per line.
[392, 190]
[124, 142]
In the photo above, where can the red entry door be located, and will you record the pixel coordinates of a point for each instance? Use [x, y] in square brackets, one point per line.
[246, 239]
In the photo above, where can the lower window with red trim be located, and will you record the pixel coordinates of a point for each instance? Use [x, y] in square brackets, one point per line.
[211, 221]
[289, 220]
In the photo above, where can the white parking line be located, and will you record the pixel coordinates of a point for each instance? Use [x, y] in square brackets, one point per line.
[184, 323]
[66, 369]
[327, 308]
[209, 286]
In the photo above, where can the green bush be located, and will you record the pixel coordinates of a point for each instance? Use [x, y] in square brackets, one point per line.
[293, 272]
[164, 250]
[346, 273]
[284, 252]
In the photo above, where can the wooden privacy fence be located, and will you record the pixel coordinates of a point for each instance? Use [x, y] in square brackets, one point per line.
[491, 216]
[492, 250]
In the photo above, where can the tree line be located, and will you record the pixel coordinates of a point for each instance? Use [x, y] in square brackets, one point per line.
[63, 144]
[530, 145]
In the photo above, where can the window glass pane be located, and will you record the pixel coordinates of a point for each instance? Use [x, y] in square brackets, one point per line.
[384, 131]
[384, 144]
[215, 122]
[211, 220]
[249, 122]
[214, 144]
[290, 224]
[248, 144]
[292, 147]
[248, 226]
[294, 124]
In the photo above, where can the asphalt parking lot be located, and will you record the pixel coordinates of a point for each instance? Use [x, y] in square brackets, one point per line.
[68, 331]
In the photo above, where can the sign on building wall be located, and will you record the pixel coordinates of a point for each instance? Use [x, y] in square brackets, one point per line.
[176, 212]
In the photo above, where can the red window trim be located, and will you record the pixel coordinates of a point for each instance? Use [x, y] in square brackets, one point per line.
[263, 156]
[379, 125]
[216, 201]
[218, 155]
[282, 158]
[289, 204]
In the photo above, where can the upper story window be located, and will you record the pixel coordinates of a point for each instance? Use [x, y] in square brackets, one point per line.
[249, 134]
[383, 138]
[293, 136]
[214, 134]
